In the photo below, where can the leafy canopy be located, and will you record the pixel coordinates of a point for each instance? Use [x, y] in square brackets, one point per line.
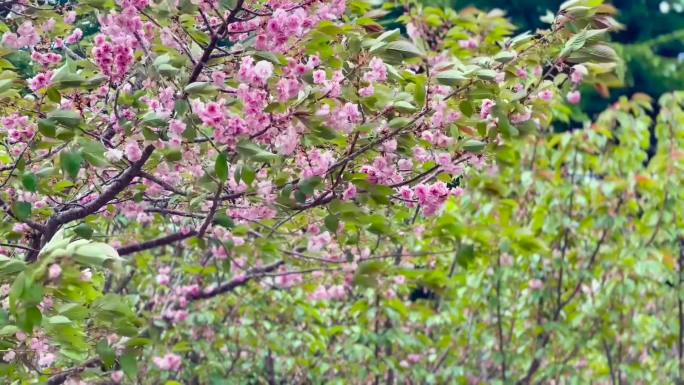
[248, 191]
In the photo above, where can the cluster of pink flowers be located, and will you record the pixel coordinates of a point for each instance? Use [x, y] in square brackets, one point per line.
[331, 87]
[574, 97]
[26, 36]
[314, 162]
[281, 26]
[442, 115]
[228, 126]
[470, 44]
[377, 73]
[430, 197]
[19, 129]
[334, 292]
[134, 211]
[411, 359]
[382, 171]
[252, 213]
[287, 279]
[46, 59]
[170, 362]
[286, 143]
[486, 108]
[39, 345]
[113, 58]
[577, 75]
[75, 36]
[164, 277]
[346, 117]
[255, 74]
[545, 95]
[40, 81]
[319, 242]
[521, 117]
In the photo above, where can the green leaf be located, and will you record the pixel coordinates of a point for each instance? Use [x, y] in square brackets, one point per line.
[450, 78]
[201, 88]
[474, 146]
[48, 128]
[399, 122]
[93, 152]
[71, 162]
[269, 56]
[221, 166]
[504, 56]
[224, 220]
[30, 181]
[92, 253]
[28, 319]
[404, 106]
[465, 255]
[53, 95]
[167, 70]
[596, 53]
[307, 186]
[22, 210]
[252, 151]
[11, 266]
[153, 119]
[247, 174]
[486, 74]
[390, 35]
[66, 77]
[366, 273]
[129, 364]
[405, 49]
[6, 84]
[9, 330]
[84, 231]
[66, 118]
[59, 320]
[331, 223]
[466, 108]
[173, 154]
[106, 353]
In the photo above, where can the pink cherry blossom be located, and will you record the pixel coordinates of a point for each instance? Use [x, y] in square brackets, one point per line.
[574, 97]
[170, 362]
[54, 271]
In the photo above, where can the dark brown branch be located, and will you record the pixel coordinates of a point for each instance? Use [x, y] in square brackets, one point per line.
[163, 241]
[175, 212]
[240, 281]
[14, 245]
[197, 70]
[212, 211]
[61, 377]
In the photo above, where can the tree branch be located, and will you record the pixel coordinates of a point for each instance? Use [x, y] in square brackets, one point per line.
[114, 189]
[239, 281]
[163, 241]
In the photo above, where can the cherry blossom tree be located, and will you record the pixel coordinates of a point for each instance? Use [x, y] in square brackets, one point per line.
[247, 191]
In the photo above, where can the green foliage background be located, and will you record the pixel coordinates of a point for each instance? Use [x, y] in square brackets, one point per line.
[650, 43]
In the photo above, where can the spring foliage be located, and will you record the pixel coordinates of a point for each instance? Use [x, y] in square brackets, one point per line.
[218, 192]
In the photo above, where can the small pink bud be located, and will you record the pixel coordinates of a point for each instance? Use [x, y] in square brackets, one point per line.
[117, 376]
[54, 271]
[574, 97]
